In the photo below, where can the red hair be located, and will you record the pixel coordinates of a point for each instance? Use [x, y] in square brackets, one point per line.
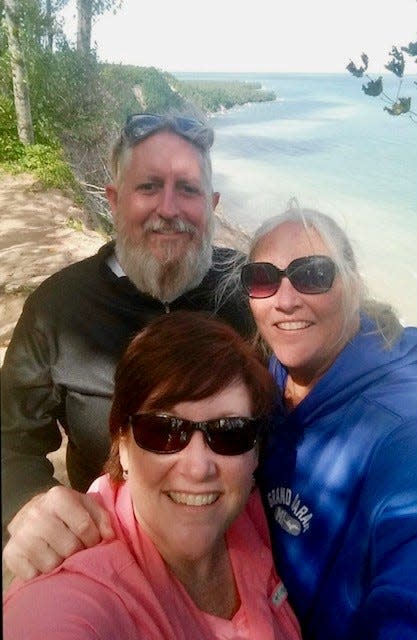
[183, 356]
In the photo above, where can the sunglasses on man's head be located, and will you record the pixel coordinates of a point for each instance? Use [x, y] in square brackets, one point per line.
[140, 125]
[230, 436]
[312, 275]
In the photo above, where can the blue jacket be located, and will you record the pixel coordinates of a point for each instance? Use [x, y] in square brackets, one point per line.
[339, 483]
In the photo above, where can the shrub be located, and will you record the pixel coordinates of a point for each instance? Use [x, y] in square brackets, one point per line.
[11, 150]
[45, 162]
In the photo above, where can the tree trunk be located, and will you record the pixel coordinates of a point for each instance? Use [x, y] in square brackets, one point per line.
[49, 25]
[84, 19]
[19, 74]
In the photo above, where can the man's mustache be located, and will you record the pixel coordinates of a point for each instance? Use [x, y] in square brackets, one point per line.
[175, 225]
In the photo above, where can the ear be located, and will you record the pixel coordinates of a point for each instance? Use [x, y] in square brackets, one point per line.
[124, 453]
[111, 194]
[215, 199]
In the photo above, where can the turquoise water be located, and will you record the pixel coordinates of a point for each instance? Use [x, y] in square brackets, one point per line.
[335, 149]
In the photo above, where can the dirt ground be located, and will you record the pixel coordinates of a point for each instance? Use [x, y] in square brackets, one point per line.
[36, 239]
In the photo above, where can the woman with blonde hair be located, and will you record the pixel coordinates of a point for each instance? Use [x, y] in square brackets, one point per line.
[339, 467]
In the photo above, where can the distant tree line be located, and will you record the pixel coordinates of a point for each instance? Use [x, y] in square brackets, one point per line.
[215, 95]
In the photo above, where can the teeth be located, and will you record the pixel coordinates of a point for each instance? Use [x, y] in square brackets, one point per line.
[169, 231]
[293, 326]
[193, 499]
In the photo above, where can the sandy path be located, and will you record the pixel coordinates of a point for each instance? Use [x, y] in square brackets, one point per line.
[35, 241]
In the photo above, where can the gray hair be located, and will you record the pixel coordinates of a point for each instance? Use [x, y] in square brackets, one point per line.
[201, 137]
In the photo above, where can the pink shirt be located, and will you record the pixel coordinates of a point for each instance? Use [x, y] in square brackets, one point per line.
[123, 589]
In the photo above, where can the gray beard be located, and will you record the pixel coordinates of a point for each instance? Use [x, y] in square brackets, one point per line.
[169, 279]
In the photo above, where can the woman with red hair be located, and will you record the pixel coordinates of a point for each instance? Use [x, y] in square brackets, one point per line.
[191, 557]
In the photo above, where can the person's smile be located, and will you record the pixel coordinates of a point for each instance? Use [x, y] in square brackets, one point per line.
[293, 325]
[169, 234]
[193, 499]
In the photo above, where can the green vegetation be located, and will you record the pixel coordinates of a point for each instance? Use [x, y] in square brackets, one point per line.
[395, 105]
[45, 160]
[77, 104]
[138, 89]
[46, 163]
[212, 96]
[74, 223]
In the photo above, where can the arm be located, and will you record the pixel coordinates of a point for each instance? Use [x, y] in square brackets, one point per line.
[53, 526]
[390, 607]
[50, 526]
[31, 405]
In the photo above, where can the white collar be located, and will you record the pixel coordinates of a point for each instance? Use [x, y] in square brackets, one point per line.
[114, 265]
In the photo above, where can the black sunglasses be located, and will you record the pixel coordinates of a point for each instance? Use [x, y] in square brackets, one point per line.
[230, 436]
[141, 125]
[312, 274]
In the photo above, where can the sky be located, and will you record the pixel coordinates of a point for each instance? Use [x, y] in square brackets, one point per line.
[258, 36]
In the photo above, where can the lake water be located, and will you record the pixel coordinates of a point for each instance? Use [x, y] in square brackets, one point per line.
[335, 149]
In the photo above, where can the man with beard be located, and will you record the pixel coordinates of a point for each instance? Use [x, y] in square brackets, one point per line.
[60, 363]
